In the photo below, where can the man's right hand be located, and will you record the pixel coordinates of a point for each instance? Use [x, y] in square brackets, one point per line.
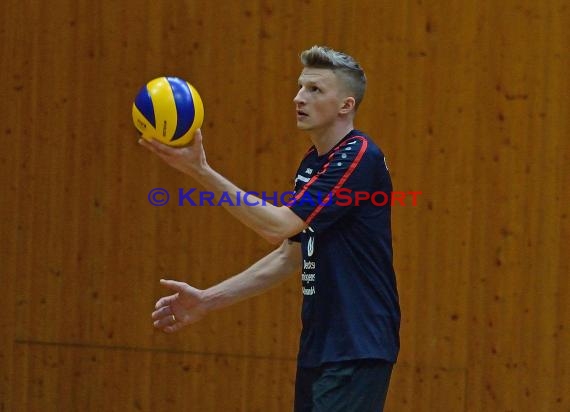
[190, 159]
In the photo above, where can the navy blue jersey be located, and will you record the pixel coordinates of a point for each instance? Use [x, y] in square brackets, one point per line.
[350, 303]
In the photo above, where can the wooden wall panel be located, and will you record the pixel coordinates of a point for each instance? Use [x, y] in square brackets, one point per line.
[469, 100]
[427, 388]
[70, 378]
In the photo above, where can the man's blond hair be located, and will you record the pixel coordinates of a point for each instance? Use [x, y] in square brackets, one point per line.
[344, 66]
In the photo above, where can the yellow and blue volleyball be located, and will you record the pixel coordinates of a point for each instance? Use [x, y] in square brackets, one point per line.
[168, 109]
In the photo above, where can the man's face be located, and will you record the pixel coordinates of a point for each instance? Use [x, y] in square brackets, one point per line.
[319, 99]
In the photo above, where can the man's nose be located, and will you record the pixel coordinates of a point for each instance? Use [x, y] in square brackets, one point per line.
[299, 98]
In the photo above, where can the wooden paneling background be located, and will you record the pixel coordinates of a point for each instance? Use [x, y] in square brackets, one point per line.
[470, 102]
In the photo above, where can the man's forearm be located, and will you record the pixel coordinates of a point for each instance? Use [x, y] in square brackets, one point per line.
[274, 223]
[261, 276]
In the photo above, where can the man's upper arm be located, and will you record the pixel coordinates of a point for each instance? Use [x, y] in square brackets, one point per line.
[291, 221]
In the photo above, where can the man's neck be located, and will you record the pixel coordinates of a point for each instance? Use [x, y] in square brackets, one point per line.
[325, 140]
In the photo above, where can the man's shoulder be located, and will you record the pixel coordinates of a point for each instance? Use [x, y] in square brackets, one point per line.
[361, 143]
[360, 138]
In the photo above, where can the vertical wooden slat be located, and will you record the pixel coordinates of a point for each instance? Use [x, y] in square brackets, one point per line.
[10, 224]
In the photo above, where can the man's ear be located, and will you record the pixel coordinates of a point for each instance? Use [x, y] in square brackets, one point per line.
[348, 105]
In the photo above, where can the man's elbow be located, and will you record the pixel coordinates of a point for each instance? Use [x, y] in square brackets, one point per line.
[274, 240]
[276, 237]
[289, 225]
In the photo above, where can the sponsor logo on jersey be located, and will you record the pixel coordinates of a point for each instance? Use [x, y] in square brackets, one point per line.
[310, 246]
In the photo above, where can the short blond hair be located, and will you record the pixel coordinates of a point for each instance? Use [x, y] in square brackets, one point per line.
[344, 66]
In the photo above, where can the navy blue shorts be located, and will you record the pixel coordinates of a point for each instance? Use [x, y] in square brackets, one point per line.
[358, 385]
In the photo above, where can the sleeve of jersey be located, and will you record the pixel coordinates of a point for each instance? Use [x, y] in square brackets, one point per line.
[330, 193]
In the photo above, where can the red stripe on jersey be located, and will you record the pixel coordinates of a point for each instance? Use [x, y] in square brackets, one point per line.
[341, 181]
[320, 172]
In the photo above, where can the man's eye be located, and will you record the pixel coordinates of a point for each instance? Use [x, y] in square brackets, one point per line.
[315, 89]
